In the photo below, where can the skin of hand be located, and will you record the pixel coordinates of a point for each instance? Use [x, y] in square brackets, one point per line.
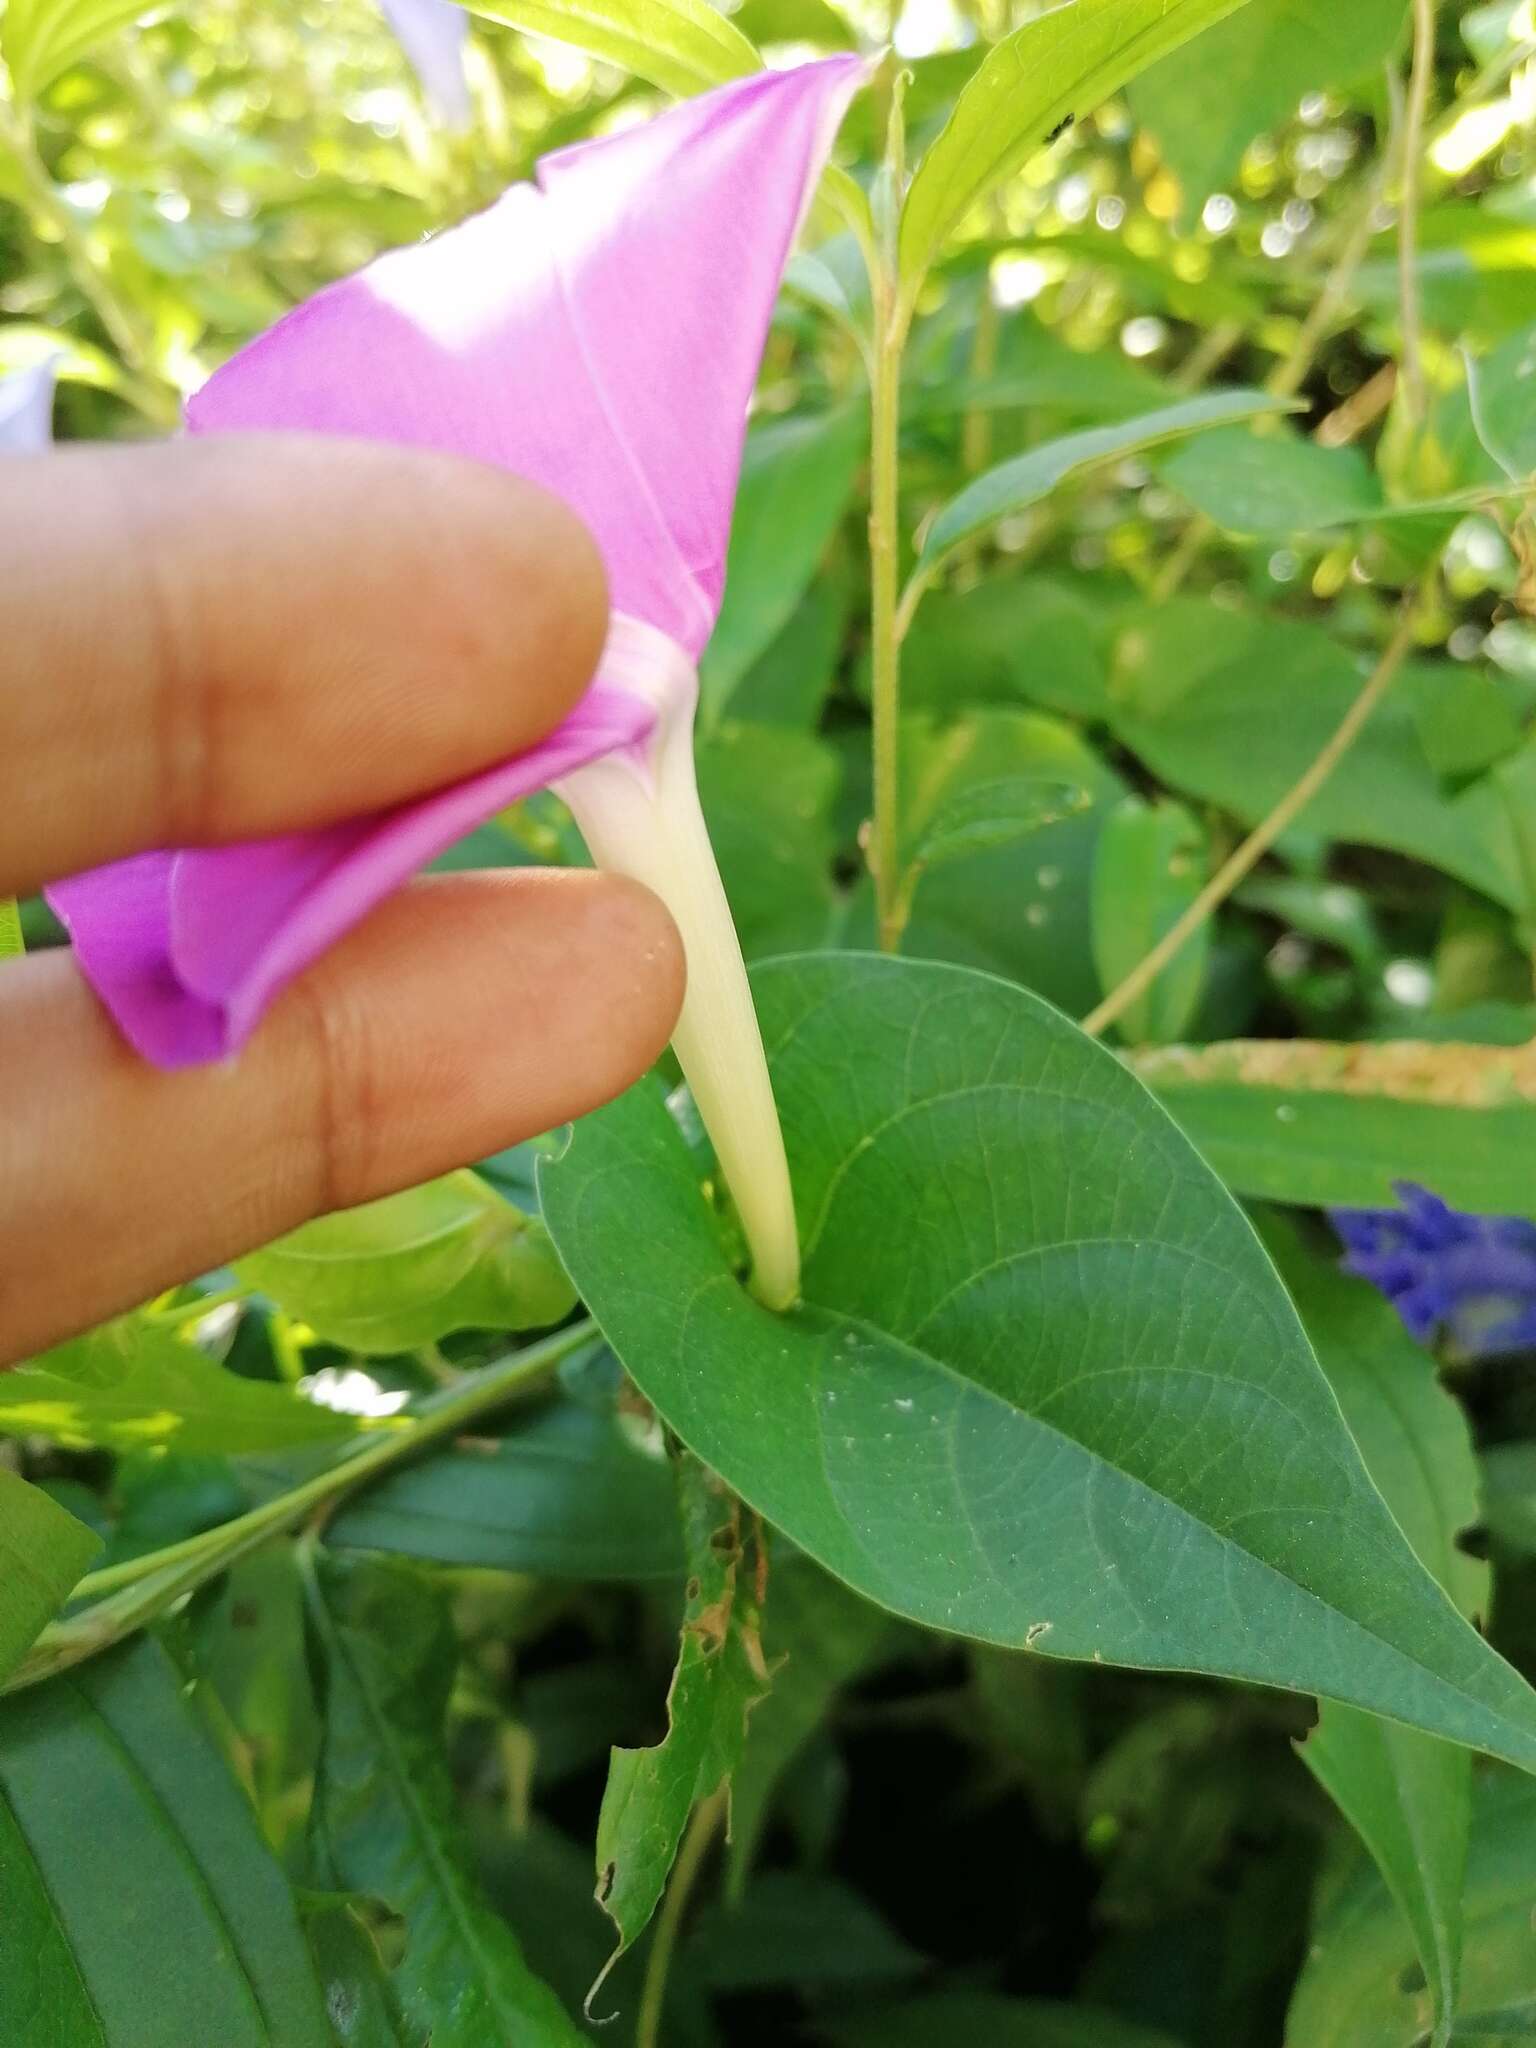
[217, 640]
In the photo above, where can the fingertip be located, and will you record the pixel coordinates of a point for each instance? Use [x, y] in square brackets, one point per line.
[646, 971]
[475, 1010]
[541, 613]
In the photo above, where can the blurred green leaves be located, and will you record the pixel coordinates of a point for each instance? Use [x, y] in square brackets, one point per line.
[144, 1381]
[395, 1274]
[41, 38]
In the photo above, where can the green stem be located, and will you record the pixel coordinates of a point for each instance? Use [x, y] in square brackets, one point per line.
[884, 550]
[1415, 109]
[685, 1874]
[142, 1587]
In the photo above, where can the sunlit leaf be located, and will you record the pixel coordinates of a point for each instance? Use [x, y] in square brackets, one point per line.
[404, 1271]
[140, 1382]
[43, 1551]
[683, 46]
[41, 38]
[1057, 67]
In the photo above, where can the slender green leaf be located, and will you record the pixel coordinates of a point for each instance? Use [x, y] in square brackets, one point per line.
[1318, 1124]
[682, 46]
[1057, 67]
[142, 1907]
[43, 1550]
[11, 942]
[1150, 865]
[1407, 1795]
[568, 1493]
[988, 814]
[404, 1271]
[136, 1382]
[1027, 478]
[796, 479]
[41, 38]
[383, 1820]
[1360, 1986]
[1025, 1296]
[1272, 483]
[651, 1792]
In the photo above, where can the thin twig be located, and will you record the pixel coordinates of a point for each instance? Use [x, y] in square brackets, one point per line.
[685, 1874]
[1415, 108]
[1263, 836]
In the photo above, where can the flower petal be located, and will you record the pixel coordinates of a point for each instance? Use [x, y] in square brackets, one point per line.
[599, 333]
[432, 34]
[26, 407]
[187, 949]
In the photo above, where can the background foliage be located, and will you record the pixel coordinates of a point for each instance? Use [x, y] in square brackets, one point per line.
[1214, 413]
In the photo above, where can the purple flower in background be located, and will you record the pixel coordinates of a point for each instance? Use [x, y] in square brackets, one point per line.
[433, 35]
[1472, 1278]
[26, 407]
[598, 332]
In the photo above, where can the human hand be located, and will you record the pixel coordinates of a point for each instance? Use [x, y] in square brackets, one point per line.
[217, 640]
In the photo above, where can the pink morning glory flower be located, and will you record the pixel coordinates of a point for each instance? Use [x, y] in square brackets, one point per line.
[598, 331]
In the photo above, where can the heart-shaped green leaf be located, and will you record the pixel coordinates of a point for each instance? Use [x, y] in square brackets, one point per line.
[1045, 1387]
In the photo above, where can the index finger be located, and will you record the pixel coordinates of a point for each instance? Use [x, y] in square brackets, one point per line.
[217, 640]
